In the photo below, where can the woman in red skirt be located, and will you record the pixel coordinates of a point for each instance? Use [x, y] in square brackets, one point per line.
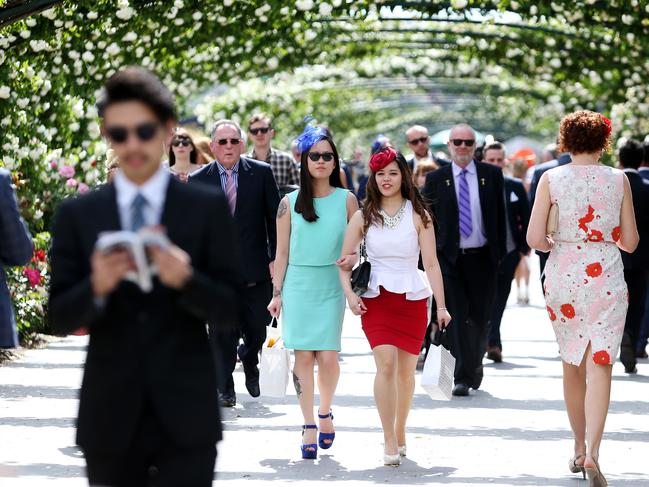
[394, 310]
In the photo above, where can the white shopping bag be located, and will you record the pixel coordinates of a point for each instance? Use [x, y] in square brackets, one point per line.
[439, 369]
[275, 365]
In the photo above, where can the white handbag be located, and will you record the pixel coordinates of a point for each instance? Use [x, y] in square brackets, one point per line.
[439, 370]
[275, 365]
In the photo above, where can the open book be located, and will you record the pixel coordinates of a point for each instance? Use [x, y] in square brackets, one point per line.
[135, 243]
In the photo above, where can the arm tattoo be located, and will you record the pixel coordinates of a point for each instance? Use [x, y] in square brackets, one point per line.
[296, 383]
[276, 292]
[283, 208]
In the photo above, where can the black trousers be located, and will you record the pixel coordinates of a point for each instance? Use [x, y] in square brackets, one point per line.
[152, 460]
[506, 271]
[253, 319]
[469, 287]
[636, 281]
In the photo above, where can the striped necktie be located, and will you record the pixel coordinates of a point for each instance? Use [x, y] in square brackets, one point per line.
[137, 212]
[466, 225]
[230, 190]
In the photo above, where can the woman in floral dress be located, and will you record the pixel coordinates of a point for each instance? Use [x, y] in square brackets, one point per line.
[585, 291]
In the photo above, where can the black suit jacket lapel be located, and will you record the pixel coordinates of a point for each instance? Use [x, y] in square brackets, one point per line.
[245, 173]
[172, 210]
[110, 210]
[449, 187]
[483, 181]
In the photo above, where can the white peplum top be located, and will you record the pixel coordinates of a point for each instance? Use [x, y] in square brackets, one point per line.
[394, 256]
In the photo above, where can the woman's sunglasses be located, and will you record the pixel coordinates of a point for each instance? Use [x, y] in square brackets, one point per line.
[325, 156]
[183, 142]
[146, 131]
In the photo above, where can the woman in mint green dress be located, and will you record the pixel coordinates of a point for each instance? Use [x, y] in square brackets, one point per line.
[311, 227]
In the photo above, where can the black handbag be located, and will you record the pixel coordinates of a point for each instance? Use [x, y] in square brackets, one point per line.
[361, 274]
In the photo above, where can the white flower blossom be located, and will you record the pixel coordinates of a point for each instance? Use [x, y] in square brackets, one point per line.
[197, 16]
[92, 15]
[125, 13]
[113, 49]
[325, 9]
[88, 57]
[130, 37]
[228, 3]
[31, 22]
[5, 92]
[25, 34]
[50, 13]
[22, 102]
[304, 5]
[459, 4]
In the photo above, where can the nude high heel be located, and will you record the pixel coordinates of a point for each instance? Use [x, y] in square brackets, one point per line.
[595, 476]
[574, 468]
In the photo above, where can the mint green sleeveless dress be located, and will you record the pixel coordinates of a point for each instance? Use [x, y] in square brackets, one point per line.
[313, 303]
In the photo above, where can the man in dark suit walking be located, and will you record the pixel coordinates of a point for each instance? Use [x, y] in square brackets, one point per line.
[148, 405]
[253, 198]
[518, 216]
[636, 265]
[16, 249]
[641, 351]
[469, 214]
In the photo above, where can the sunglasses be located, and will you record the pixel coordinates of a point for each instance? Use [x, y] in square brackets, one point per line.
[183, 142]
[325, 156]
[263, 130]
[418, 141]
[225, 141]
[144, 132]
[467, 142]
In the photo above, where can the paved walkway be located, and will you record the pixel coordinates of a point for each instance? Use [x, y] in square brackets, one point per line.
[514, 432]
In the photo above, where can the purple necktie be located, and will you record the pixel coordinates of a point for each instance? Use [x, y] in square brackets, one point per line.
[466, 226]
[230, 190]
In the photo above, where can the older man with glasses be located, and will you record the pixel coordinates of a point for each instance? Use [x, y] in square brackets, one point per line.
[252, 195]
[469, 210]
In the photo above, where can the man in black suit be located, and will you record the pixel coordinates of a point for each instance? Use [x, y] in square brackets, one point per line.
[419, 143]
[636, 265]
[253, 197]
[641, 351]
[148, 405]
[518, 216]
[536, 177]
[469, 214]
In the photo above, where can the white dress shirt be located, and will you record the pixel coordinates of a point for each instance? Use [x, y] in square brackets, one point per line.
[154, 191]
[477, 237]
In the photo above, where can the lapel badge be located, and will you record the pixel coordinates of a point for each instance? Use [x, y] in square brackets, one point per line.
[482, 181]
[448, 182]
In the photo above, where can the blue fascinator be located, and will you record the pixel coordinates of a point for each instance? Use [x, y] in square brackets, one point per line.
[310, 135]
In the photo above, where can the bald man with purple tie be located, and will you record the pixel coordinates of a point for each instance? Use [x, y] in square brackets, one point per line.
[469, 214]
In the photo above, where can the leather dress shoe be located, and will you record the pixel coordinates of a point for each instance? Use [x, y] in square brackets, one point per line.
[460, 390]
[641, 353]
[630, 369]
[227, 399]
[252, 379]
[495, 354]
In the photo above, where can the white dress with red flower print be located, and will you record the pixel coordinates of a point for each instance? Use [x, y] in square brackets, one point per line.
[585, 291]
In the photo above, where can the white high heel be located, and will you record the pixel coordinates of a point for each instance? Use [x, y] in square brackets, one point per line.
[391, 460]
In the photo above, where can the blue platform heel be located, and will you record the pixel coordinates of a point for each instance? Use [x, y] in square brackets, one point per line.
[310, 451]
[326, 436]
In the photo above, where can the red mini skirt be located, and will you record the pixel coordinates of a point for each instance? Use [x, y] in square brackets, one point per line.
[393, 320]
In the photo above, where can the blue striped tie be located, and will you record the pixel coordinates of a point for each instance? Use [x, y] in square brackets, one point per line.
[466, 226]
[137, 212]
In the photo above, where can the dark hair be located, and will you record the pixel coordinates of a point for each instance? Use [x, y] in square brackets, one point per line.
[182, 135]
[372, 201]
[304, 202]
[583, 132]
[645, 159]
[135, 83]
[631, 154]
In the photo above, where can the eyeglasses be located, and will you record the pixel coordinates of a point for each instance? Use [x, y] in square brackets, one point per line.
[325, 156]
[418, 141]
[225, 141]
[263, 130]
[467, 142]
[144, 132]
[183, 142]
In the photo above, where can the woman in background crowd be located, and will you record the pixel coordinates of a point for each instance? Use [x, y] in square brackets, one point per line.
[183, 155]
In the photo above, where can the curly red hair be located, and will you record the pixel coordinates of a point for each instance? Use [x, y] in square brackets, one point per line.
[584, 132]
